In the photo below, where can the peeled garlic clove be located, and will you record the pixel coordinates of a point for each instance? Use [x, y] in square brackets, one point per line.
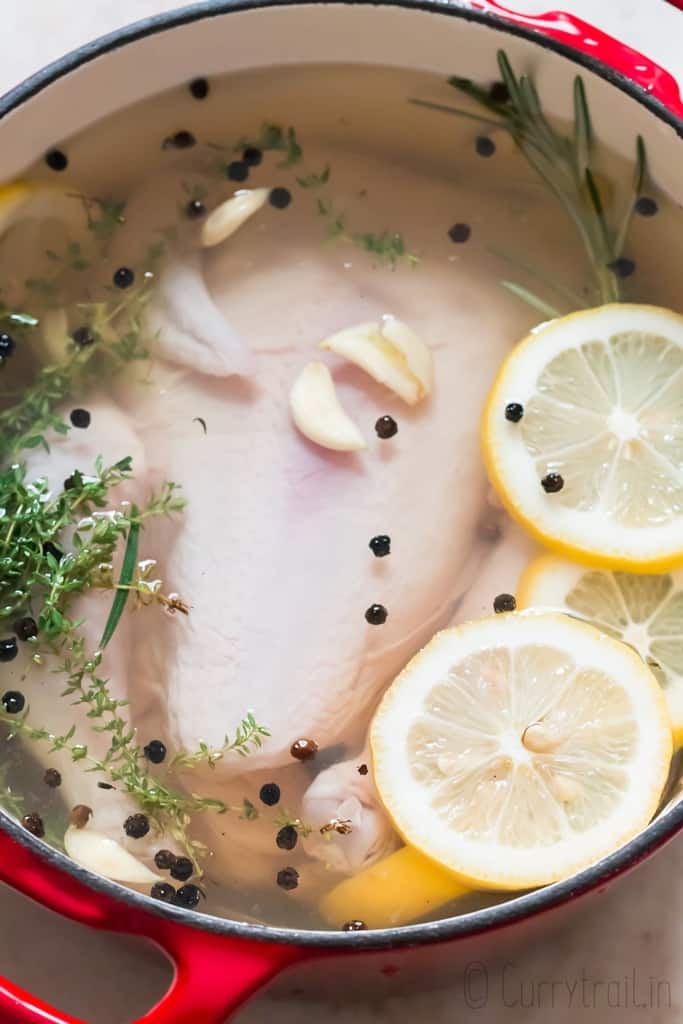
[318, 413]
[99, 853]
[416, 354]
[390, 353]
[230, 215]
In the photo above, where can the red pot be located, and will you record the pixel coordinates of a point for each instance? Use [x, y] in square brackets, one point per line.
[219, 963]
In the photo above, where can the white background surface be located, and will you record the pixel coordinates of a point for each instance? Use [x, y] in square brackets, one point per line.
[639, 926]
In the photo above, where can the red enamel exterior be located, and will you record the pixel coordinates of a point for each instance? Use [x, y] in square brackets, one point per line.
[215, 974]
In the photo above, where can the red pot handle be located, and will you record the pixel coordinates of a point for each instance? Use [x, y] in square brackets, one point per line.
[213, 974]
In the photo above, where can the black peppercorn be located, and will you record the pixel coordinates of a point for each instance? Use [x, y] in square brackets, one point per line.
[164, 859]
[83, 337]
[13, 702]
[646, 206]
[362, 769]
[80, 815]
[70, 482]
[269, 794]
[280, 198]
[136, 826]
[80, 418]
[195, 209]
[52, 778]
[188, 896]
[237, 171]
[163, 891]
[7, 345]
[514, 412]
[354, 926]
[51, 549]
[622, 267]
[459, 233]
[8, 648]
[485, 146]
[56, 160]
[104, 785]
[182, 869]
[552, 483]
[33, 823]
[155, 751]
[504, 603]
[199, 88]
[386, 427]
[380, 545]
[303, 749]
[181, 140]
[123, 277]
[26, 628]
[499, 92]
[376, 615]
[288, 879]
[252, 156]
[287, 838]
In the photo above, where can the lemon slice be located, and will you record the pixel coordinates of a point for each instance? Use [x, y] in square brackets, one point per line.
[602, 399]
[642, 610]
[404, 886]
[517, 750]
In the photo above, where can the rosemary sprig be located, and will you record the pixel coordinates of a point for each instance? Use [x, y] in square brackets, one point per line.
[130, 557]
[564, 162]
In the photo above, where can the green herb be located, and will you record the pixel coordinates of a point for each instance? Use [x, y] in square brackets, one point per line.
[275, 137]
[284, 819]
[104, 217]
[564, 162]
[21, 319]
[389, 246]
[314, 180]
[249, 812]
[249, 734]
[127, 570]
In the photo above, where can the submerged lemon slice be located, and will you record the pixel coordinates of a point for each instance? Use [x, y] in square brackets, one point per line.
[517, 750]
[602, 424]
[404, 886]
[645, 611]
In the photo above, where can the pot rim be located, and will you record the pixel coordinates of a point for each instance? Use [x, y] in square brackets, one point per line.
[517, 908]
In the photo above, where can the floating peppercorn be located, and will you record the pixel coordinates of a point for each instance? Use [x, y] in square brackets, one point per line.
[83, 337]
[354, 926]
[51, 549]
[155, 751]
[362, 769]
[195, 209]
[252, 156]
[459, 233]
[164, 859]
[288, 879]
[287, 838]
[504, 603]
[514, 412]
[380, 545]
[484, 145]
[182, 869]
[52, 778]
[269, 794]
[56, 160]
[13, 702]
[163, 891]
[280, 198]
[33, 823]
[104, 785]
[181, 140]
[622, 267]
[80, 418]
[499, 92]
[303, 749]
[237, 171]
[376, 615]
[188, 896]
[7, 345]
[646, 206]
[199, 88]
[70, 482]
[123, 277]
[552, 483]
[26, 628]
[8, 648]
[386, 427]
[136, 826]
[80, 815]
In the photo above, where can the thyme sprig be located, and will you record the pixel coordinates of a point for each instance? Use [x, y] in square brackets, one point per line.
[248, 735]
[565, 163]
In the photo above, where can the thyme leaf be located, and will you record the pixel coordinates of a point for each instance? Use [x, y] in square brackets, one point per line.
[249, 734]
